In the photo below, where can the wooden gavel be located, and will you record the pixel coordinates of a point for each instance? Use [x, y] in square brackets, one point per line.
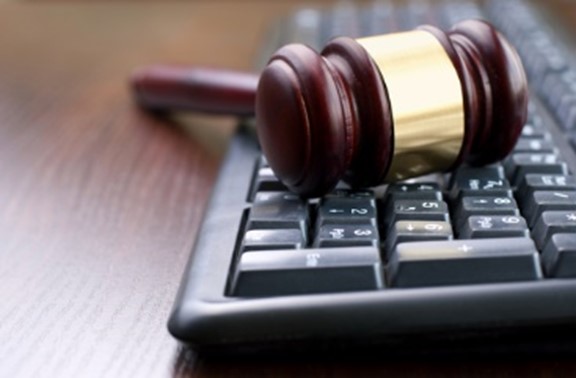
[369, 110]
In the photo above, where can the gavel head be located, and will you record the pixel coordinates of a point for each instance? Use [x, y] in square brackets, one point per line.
[390, 107]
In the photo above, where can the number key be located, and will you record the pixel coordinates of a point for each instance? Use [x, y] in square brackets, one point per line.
[346, 236]
[470, 206]
[494, 226]
[306, 271]
[418, 210]
[410, 231]
[481, 187]
[475, 180]
[346, 210]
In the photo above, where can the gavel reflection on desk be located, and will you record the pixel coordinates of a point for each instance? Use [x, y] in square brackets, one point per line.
[369, 110]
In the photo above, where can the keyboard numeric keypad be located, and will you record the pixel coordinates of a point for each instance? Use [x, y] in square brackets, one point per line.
[476, 225]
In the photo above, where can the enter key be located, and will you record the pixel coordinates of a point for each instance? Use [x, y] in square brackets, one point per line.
[456, 262]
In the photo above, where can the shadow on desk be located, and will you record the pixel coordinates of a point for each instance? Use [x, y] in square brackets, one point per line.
[382, 364]
[550, 354]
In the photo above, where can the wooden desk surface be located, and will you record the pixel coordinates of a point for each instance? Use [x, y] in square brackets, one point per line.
[100, 203]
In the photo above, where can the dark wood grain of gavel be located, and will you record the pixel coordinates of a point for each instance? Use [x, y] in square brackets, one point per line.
[323, 117]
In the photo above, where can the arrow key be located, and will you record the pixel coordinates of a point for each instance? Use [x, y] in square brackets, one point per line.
[469, 206]
[409, 231]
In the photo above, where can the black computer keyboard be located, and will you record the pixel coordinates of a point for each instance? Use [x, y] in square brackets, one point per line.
[483, 251]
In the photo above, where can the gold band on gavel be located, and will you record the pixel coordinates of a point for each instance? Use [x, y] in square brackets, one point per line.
[425, 97]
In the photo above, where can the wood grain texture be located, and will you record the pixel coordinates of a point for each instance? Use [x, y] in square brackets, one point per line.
[100, 202]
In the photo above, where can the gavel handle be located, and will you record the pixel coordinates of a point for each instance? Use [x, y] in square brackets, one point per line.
[208, 90]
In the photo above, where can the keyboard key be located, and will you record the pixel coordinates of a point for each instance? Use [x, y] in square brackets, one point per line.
[305, 271]
[469, 206]
[353, 195]
[266, 180]
[414, 191]
[410, 231]
[566, 112]
[563, 98]
[559, 256]
[521, 164]
[553, 222]
[529, 131]
[334, 210]
[541, 201]
[537, 182]
[573, 142]
[494, 226]
[461, 178]
[421, 210]
[534, 145]
[481, 187]
[276, 196]
[255, 240]
[488, 172]
[458, 262]
[346, 236]
[278, 210]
